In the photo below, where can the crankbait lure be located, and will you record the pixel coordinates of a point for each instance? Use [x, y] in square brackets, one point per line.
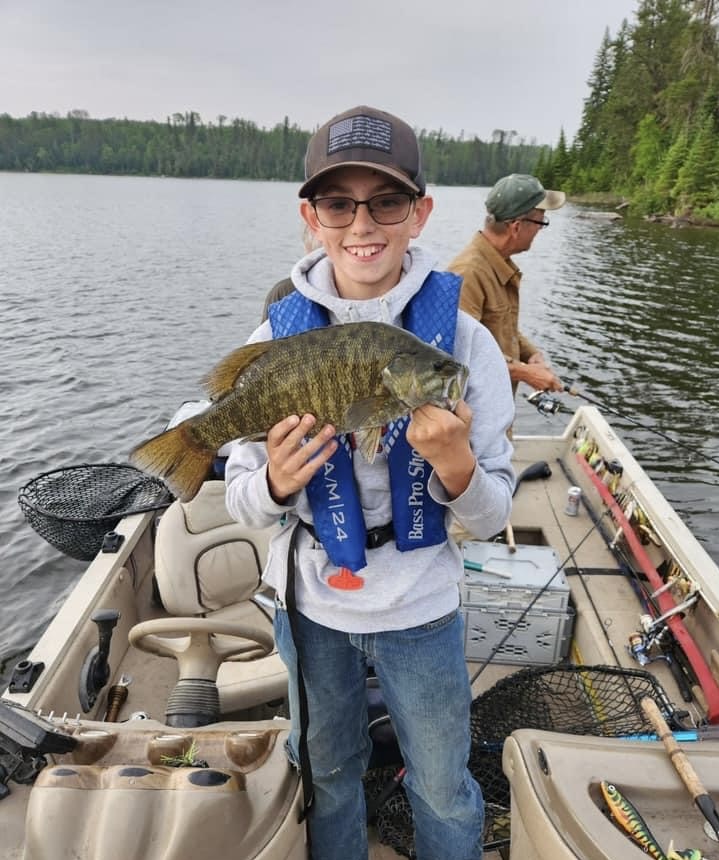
[626, 817]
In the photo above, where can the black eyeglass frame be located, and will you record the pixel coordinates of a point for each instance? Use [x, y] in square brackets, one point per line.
[411, 197]
[543, 223]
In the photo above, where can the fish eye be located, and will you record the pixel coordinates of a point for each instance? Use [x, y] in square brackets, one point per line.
[439, 364]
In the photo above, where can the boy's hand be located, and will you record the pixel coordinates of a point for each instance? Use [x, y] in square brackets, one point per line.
[442, 438]
[291, 464]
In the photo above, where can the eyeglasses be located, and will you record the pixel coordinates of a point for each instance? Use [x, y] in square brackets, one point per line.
[543, 223]
[384, 209]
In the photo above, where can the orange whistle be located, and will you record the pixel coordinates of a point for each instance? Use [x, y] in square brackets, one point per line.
[345, 580]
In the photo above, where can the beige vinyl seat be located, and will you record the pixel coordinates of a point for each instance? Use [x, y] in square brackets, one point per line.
[206, 564]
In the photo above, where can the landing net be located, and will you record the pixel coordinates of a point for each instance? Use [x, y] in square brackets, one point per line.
[74, 507]
[602, 701]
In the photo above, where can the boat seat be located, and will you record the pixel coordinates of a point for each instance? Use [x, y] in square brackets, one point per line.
[206, 564]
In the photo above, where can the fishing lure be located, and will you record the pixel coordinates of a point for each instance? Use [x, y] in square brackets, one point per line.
[628, 819]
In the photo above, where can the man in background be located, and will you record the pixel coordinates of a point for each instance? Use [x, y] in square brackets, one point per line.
[516, 212]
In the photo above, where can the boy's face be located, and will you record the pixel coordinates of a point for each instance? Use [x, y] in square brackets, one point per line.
[367, 256]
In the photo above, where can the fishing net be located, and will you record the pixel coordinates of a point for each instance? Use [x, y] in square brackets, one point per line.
[581, 700]
[74, 507]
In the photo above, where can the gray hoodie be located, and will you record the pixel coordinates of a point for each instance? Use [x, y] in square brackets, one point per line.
[401, 589]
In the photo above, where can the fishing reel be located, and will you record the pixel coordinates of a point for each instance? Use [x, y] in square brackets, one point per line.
[651, 636]
[544, 402]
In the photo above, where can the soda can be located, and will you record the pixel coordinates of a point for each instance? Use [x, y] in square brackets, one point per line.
[574, 494]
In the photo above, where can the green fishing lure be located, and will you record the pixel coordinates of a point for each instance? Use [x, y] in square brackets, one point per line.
[627, 818]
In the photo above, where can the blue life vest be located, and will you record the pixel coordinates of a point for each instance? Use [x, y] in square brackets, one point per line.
[336, 509]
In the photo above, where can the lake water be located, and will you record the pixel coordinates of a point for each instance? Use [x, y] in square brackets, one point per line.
[118, 293]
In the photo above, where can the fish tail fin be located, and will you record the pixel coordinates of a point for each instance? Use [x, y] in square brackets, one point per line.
[178, 458]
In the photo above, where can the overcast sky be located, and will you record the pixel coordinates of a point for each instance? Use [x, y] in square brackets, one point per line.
[459, 65]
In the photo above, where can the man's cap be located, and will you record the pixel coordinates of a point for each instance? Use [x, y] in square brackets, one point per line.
[518, 193]
[365, 137]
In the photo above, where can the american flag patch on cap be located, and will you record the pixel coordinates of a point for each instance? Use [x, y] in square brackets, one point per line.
[360, 131]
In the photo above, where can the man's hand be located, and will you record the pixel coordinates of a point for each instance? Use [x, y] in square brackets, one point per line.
[537, 373]
[442, 438]
[291, 464]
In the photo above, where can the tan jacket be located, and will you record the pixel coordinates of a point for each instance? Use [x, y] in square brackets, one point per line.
[490, 293]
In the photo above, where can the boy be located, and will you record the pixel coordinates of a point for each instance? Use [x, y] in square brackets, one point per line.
[364, 200]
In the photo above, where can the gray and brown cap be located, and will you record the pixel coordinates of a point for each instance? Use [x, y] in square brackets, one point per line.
[364, 137]
[519, 193]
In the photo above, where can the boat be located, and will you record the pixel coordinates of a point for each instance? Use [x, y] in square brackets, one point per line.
[149, 720]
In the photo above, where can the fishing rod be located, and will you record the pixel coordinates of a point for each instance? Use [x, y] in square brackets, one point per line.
[547, 404]
[671, 649]
[659, 630]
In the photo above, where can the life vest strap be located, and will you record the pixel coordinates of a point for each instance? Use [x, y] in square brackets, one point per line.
[376, 537]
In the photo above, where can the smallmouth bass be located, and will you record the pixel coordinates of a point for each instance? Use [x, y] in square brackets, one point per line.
[357, 377]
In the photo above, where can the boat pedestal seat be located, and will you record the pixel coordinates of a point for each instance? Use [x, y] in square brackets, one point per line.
[206, 564]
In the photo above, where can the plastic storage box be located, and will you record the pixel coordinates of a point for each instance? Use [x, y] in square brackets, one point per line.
[497, 589]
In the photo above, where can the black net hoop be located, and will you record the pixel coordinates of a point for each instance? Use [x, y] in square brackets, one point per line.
[73, 508]
[602, 701]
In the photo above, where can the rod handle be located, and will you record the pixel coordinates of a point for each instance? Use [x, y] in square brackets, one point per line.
[678, 757]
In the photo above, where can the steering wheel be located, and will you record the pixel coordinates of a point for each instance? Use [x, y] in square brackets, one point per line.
[200, 645]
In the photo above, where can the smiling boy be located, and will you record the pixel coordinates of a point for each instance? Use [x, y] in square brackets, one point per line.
[364, 201]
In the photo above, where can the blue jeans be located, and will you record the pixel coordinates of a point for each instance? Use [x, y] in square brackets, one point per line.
[425, 685]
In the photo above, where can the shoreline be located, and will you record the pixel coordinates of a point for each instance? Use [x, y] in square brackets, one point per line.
[617, 202]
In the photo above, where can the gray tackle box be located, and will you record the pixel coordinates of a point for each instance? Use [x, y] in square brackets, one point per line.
[497, 587]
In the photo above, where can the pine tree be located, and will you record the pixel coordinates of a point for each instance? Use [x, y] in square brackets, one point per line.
[697, 178]
[670, 166]
[562, 163]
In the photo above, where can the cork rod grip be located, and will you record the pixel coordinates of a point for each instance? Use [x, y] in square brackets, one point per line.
[679, 759]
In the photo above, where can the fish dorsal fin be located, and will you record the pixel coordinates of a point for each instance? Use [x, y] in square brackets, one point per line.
[220, 381]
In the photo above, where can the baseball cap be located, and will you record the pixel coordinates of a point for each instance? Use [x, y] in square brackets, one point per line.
[364, 137]
[518, 193]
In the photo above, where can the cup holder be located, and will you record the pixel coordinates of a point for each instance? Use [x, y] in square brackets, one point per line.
[92, 745]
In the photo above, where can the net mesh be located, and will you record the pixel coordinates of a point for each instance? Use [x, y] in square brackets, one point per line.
[74, 507]
[581, 700]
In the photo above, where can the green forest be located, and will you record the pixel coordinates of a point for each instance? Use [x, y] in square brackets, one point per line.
[186, 146]
[650, 124]
[648, 134]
